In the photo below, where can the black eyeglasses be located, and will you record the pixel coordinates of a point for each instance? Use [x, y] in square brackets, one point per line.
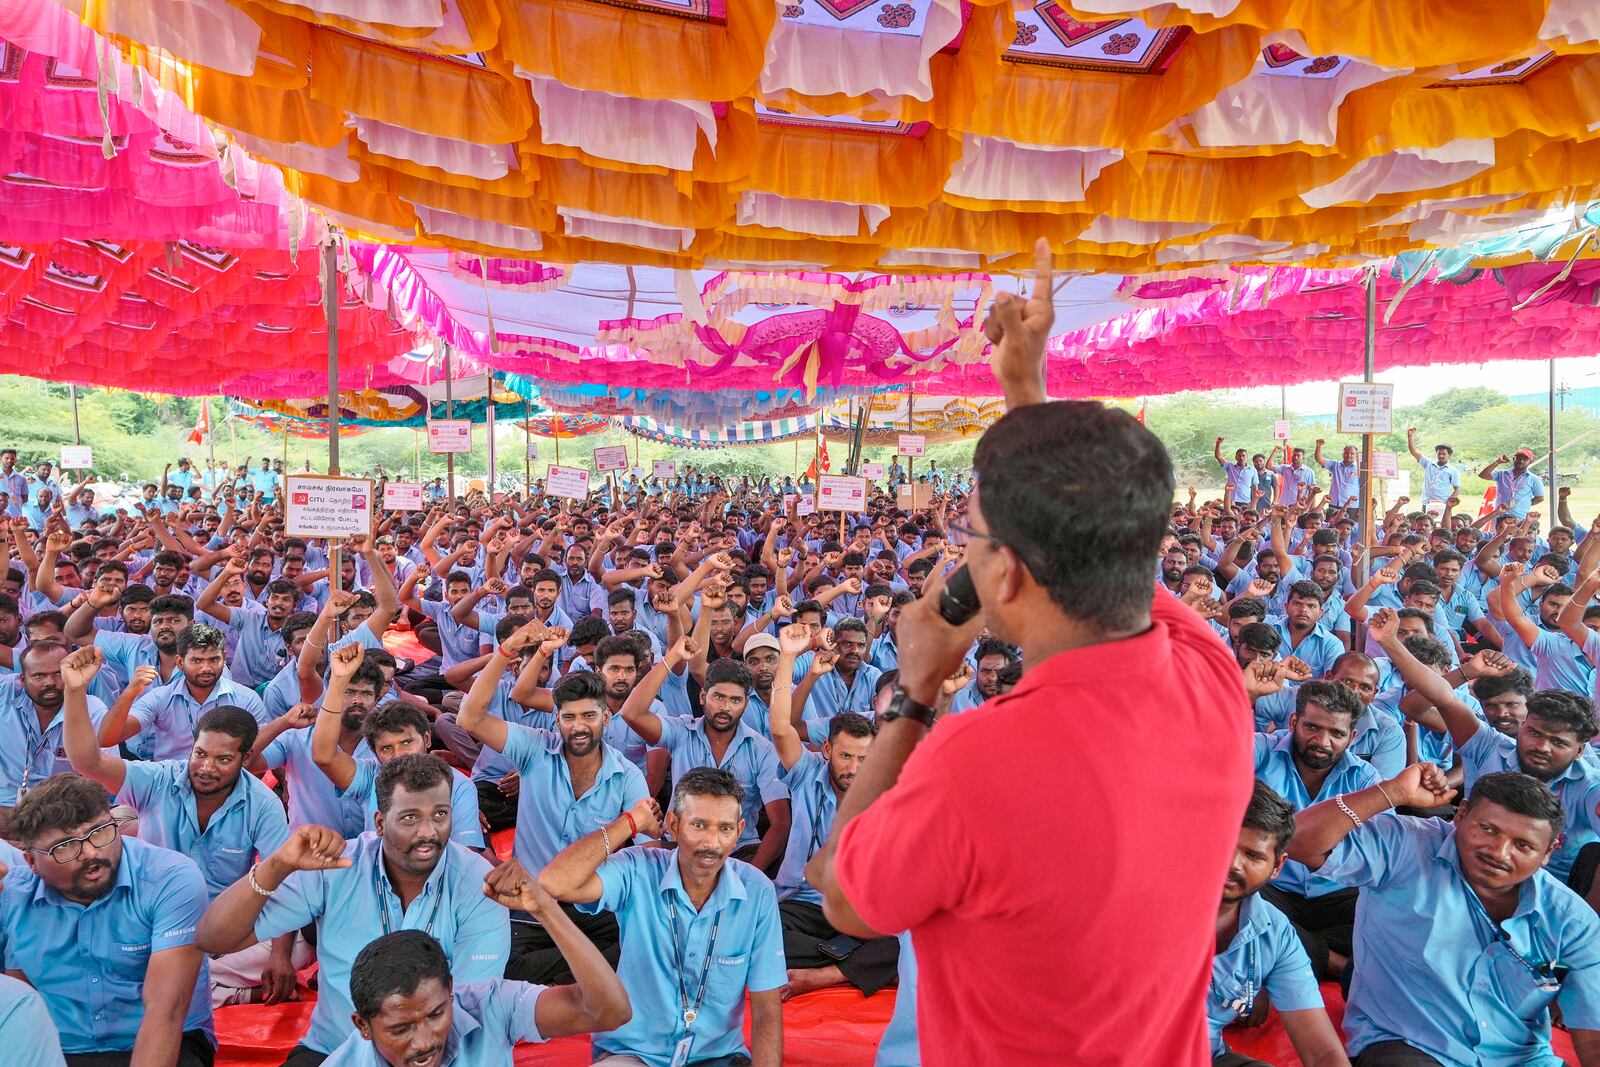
[962, 534]
[70, 849]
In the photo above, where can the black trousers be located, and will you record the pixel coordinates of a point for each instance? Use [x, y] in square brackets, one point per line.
[1394, 1054]
[871, 967]
[748, 853]
[534, 956]
[301, 1056]
[1237, 1059]
[196, 1050]
[495, 806]
[1325, 924]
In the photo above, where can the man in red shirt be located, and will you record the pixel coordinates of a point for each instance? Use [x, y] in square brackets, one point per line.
[1051, 925]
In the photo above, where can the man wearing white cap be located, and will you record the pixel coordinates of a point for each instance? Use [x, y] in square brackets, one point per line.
[761, 656]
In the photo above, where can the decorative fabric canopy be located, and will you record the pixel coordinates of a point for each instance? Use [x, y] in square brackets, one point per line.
[939, 418]
[309, 429]
[915, 134]
[564, 426]
[401, 405]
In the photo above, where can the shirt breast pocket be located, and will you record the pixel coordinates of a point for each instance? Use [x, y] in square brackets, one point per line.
[127, 960]
[1526, 994]
[730, 975]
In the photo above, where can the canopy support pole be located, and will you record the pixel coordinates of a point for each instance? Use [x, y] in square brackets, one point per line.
[416, 453]
[489, 423]
[449, 413]
[1553, 491]
[330, 310]
[211, 437]
[527, 439]
[77, 437]
[1369, 347]
[233, 441]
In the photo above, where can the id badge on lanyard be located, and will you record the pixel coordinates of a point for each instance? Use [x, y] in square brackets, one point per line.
[680, 1054]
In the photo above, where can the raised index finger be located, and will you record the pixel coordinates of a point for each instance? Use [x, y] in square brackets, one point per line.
[1043, 270]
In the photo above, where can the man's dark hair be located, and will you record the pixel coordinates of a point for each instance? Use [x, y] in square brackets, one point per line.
[1271, 814]
[1428, 651]
[173, 604]
[582, 685]
[39, 649]
[877, 589]
[300, 620]
[1332, 697]
[1259, 637]
[850, 625]
[853, 723]
[458, 578]
[1448, 555]
[546, 575]
[169, 558]
[1489, 686]
[506, 627]
[704, 782]
[393, 717]
[9, 605]
[1080, 492]
[396, 963]
[369, 673]
[588, 630]
[729, 670]
[621, 596]
[1011, 674]
[1306, 589]
[60, 802]
[1247, 607]
[135, 594]
[418, 772]
[1565, 711]
[811, 607]
[613, 646]
[993, 646]
[1423, 587]
[200, 635]
[1561, 564]
[1521, 794]
[519, 592]
[283, 587]
[1419, 572]
[58, 619]
[231, 720]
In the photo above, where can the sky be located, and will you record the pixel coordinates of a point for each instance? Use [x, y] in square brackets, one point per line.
[1413, 385]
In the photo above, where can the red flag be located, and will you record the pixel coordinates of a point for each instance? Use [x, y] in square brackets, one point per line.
[1142, 405]
[826, 466]
[1488, 502]
[202, 425]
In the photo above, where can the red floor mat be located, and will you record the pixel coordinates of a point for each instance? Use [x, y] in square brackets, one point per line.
[830, 1028]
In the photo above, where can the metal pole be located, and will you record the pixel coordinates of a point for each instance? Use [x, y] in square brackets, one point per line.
[489, 424]
[77, 437]
[527, 439]
[211, 437]
[449, 413]
[1552, 490]
[330, 309]
[416, 448]
[233, 442]
[1369, 347]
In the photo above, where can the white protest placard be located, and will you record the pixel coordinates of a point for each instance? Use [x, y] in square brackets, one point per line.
[839, 492]
[77, 457]
[533, 449]
[1366, 407]
[569, 482]
[1280, 429]
[912, 444]
[663, 470]
[806, 505]
[1385, 465]
[611, 458]
[402, 496]
[449, 435]
[324, 505]
[789, 499]
[872, 472]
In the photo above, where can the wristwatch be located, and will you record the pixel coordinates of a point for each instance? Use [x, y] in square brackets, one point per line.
[902, 706]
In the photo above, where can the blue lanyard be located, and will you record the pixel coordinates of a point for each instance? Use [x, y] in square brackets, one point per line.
[690, 1013]
[1545, 973]
[384, 894]
[1246, 1001]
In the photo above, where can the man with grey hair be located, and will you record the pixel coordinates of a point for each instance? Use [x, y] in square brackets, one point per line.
[698, 929]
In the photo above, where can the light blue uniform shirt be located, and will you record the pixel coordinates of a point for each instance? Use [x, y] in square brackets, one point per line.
[1244, 478]
[489, 1019]
[27, 1032]
[125, 653]
[885, 653]
[1319, 648]
[1577, 787]
[166, 714]
[1344, 482]
[1515, 492]
[898, 1046]
[1432, 971]
[1291, 480]
[1439, 482]
[457, 643]
[644, 887]
[313, 800]
[549, 817]
[1558, 663]
[29, 755]
[259, 653]
[249, 823]
[578, 599]
[812, 806]
[490, 765]
[1267, 954]
[830, 695]
[89, 962]
[465, 827]
[15, 485]
[355, 905]
[750, 759]
[1275, 766]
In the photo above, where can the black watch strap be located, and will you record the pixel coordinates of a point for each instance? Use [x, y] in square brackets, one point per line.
[902, 706]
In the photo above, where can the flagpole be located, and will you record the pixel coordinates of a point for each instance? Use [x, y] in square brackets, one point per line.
[211, 434]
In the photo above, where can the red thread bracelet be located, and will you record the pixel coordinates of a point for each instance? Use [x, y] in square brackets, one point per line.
[633, 825]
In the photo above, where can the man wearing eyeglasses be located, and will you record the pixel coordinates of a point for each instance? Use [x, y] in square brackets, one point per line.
[104, 928]
[1070, 509]
[1463, 941]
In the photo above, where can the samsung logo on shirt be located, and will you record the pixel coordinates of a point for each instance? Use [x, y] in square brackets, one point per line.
[485, 955]
[232, 851]
[135, 948]
[182, 931]
[731, 961]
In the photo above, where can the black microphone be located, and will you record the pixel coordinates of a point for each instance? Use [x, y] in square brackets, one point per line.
[959, 602]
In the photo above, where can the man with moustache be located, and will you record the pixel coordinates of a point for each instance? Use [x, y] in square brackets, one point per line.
[699, 929]
[1309, 762]
[206, 807]
[569, 781]
[163, 718]
[32, 745]
[817, 782]
[127, 651]
[1258, 953]
[104, 928]
[405, 874]
[720, 738]
[1463, 942]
